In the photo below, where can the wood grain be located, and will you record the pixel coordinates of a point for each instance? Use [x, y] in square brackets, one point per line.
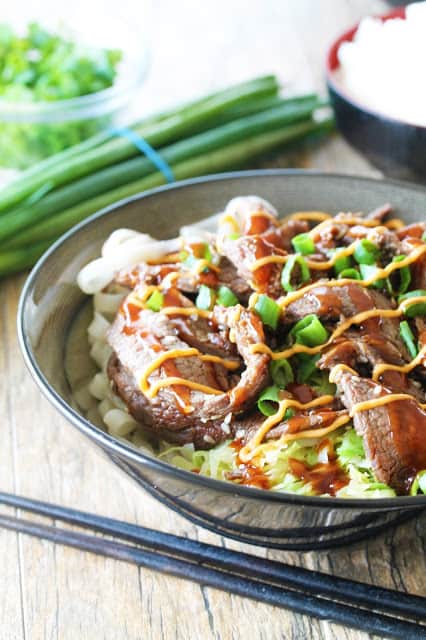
[56, 593]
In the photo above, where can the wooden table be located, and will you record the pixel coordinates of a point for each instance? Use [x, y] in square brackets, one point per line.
[50, 592]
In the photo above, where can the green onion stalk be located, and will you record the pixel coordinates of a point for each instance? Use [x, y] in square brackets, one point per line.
[226, 130]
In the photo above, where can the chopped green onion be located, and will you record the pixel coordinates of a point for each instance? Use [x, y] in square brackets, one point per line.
[306, 366]
[205, 298]
[234, 236]
[310, 331]
[321, 384]
[408, 337]
[268, 310]
[402, 276]
[287, 273]
[414, 309]
[352, 274]
[368, 271]
[281, 373]
[207, 253]
[419, 483]
[226, 297]
[268, 401]
[155, 301]
[424, 236]
[303, 244]
[366, 252]
[342, 264]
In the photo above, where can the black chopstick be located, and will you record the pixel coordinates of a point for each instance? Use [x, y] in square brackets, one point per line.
[297, 602]
[244, 564]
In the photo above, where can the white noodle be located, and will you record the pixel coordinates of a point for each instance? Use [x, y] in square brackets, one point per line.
[119, 422]
[107, 302]
[100, 353]
[99, 386]
[98, 327]
[119, 237]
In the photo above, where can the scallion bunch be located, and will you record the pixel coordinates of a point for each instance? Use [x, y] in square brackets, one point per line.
[222, 131]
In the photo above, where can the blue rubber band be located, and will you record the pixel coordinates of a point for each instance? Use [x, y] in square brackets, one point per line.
[145, 148]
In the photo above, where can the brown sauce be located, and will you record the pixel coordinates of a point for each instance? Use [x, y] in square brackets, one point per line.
[256, 224]
[302, 392]
[248, 473]
[408, 426]
[324, 477]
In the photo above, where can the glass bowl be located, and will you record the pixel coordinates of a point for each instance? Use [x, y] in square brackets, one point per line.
[31, 131]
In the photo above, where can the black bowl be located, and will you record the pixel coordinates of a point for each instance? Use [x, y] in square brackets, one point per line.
[395, 147]
[50, 303]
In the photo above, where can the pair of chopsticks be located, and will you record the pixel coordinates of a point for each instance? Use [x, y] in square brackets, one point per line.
[354, 604]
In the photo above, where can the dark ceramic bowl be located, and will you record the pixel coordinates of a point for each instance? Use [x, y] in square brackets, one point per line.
[51, 301]
[395, 147]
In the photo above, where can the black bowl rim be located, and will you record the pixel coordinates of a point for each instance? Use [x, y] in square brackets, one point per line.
[343, 95]
[120, 447]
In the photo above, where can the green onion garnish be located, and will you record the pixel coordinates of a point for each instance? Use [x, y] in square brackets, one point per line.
[342, 264]
[268, 401]
[268, 310]
[294, 263]
[303, 244]
[226, 297]
[205, 298]
[366, 252]
[352, 274]
[234, 236]
[281, 373]
[368, 271]
[401, 276]
[419, 483]
[310, 331]
[306, 366]
[414, 309]
[155, 301]
[424, 236]
[207, 253]
[408, 337]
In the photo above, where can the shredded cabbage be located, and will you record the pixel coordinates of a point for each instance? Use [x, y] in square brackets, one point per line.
[274, 463]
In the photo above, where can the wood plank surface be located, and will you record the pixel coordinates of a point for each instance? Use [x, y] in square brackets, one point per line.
[50, 592]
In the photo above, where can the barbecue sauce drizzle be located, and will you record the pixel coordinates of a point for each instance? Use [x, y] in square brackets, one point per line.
[324, 478]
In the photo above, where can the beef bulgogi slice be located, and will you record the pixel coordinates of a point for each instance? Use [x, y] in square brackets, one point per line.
[178, 407]
[282, 235]
[229, 277]
[414, 230]
[243, 253]
[202, 435]
[380, 213]
[347, 301]
[394, 434]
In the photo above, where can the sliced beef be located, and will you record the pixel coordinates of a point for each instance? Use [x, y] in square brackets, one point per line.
[418, 274]
[202, 435]
[178, 407]
[345, 302]
[414, 230]
[388, 243]
[379, 213]
[282, 235]
[394, 434]
[229, 277]
[314, 419]
[243, 253]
